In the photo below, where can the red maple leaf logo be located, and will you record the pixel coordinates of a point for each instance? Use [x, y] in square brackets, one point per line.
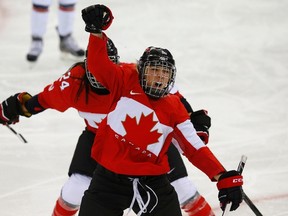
[141, 134]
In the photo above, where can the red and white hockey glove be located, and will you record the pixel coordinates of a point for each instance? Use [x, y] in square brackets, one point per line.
[11, 108]
[230, 189]
[202, 122]
[97, 18]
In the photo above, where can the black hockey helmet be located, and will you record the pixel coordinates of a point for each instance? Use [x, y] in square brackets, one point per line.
[158, 58]
[113, 56]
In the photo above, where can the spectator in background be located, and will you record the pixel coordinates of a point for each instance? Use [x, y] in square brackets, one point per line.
[39, 21]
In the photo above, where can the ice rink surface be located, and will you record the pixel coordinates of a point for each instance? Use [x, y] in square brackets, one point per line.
[232, 59]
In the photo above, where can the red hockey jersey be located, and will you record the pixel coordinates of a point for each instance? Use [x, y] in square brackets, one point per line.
[134, 137]
[64, 94]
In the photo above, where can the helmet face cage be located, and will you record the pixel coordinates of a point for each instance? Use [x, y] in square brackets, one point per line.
[113, 56]
[112, 51]
[157, 72]
[114, 59]
[93, 82]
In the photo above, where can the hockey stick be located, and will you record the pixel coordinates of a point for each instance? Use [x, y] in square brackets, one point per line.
[247, 200]
[17, 134]
[251, 205]
[240, 170]
[245, 197]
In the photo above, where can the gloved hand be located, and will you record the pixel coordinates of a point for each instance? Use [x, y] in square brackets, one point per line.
[97, 18]
[202, 123]
[230, 189]
[11, 108]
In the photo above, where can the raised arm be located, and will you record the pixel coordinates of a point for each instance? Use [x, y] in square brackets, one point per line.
[98, 18]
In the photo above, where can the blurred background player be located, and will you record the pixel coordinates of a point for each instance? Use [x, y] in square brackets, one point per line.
[39, 21]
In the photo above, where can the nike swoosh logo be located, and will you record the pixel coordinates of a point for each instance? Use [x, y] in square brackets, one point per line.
[171, 171]
[134, 93]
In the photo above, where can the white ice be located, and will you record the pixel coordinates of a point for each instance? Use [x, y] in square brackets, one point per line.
[232, 59]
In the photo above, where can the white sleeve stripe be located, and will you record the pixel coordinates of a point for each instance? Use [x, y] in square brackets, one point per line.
[189, 132]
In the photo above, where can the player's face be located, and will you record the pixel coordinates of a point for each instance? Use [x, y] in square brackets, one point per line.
[157, 76]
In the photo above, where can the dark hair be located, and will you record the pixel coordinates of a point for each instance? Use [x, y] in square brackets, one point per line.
[85, 84]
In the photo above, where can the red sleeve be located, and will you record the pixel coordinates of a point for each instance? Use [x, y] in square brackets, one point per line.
[198, 154]
[205, 160]
[61, 94]
[194, 148]
[104, 70]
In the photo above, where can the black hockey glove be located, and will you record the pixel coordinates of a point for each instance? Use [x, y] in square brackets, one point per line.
[11, 108]
[97, 18]
[230, 189]
[202, 123]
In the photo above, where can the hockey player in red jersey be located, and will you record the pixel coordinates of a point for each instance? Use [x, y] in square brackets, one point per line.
[132, 141]
[78, 88]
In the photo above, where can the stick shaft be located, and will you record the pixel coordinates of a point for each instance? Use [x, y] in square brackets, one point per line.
[17, 134]
[245, 197]
[251, 205]
[242, 164]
